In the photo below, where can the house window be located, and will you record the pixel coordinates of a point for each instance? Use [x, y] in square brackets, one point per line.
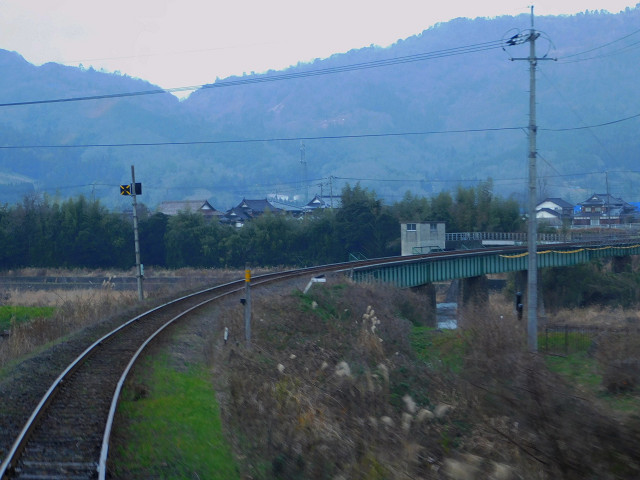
[434, 228]
[411, 227]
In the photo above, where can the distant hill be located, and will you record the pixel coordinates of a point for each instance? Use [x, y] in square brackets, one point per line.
[208, 140]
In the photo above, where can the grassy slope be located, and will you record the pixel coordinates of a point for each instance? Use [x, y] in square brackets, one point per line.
[339, 385]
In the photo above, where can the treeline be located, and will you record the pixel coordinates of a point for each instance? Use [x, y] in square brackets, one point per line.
[82, 233]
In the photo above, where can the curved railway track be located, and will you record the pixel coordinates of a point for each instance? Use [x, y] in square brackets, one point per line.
[67, 435]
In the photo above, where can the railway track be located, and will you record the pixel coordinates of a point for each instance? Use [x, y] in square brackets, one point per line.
[67, 435]
[64, 435]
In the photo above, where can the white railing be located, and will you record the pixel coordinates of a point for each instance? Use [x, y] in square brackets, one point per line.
[570, 236]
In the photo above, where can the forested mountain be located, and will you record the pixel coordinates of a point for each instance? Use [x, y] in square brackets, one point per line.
[479, 98]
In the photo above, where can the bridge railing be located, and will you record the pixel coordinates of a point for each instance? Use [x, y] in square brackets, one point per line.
[608, 235]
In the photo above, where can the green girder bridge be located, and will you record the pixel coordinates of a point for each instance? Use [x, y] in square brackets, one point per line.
[438, 267]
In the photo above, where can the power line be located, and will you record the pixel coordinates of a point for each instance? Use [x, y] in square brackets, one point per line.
[586, 127]
[320, 137]
[619, 51]
[311, 182]
[473, 48]
[576, 113]
[601, 46]
[261, 140]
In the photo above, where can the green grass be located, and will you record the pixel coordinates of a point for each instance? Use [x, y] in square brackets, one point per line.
[174, 430]
[439, 348]
[18, 314]
[444, 350]
[582, 370]
[579, 368]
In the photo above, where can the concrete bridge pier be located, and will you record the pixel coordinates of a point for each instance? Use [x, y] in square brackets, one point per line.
[428, 290]
[473, 295]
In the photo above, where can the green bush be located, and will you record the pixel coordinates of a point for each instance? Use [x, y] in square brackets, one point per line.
[587, 285]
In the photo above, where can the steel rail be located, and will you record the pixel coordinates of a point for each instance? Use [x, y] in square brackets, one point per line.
[12, 457]
[102, 463]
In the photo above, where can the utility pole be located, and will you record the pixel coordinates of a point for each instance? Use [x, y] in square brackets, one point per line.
[135, 234]
[331, 190]
[532, 232]
[606, 179]
[303, 162]
[247, 307]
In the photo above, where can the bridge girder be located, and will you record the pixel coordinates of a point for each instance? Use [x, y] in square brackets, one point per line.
[439, 268]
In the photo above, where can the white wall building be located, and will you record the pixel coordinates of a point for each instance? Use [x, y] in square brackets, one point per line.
[426, 237]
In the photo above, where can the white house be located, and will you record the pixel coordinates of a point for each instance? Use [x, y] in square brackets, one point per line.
[554, 211]
[189, 206]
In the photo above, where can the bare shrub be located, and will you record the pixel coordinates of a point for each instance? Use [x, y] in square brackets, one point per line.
[495, 338]
[333, 392]
[618, 354]
[320, 396]
[539, 420]
[615, 343]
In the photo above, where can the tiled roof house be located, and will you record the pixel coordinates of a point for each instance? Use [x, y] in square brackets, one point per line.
[189, 206]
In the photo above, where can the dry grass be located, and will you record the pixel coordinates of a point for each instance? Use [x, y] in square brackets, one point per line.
[79, 308]
[597, 316]
[336, 392]
[75, 310]
[331, 388]
[547, 427]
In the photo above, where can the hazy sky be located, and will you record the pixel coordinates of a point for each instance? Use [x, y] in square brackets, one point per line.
[174, 43]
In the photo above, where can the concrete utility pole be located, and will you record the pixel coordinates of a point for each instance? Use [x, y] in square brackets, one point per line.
[135, 234]
[247, 307]
[532, 233]
[303, 162]
[331, 190]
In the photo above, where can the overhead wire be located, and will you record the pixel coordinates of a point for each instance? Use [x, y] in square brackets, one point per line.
[319, 137]
[287, 186]
[260, 140]
[325, 71]
[294, 75]
[613, 53]
[599, 46]
[586, 127]
[473, 48]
